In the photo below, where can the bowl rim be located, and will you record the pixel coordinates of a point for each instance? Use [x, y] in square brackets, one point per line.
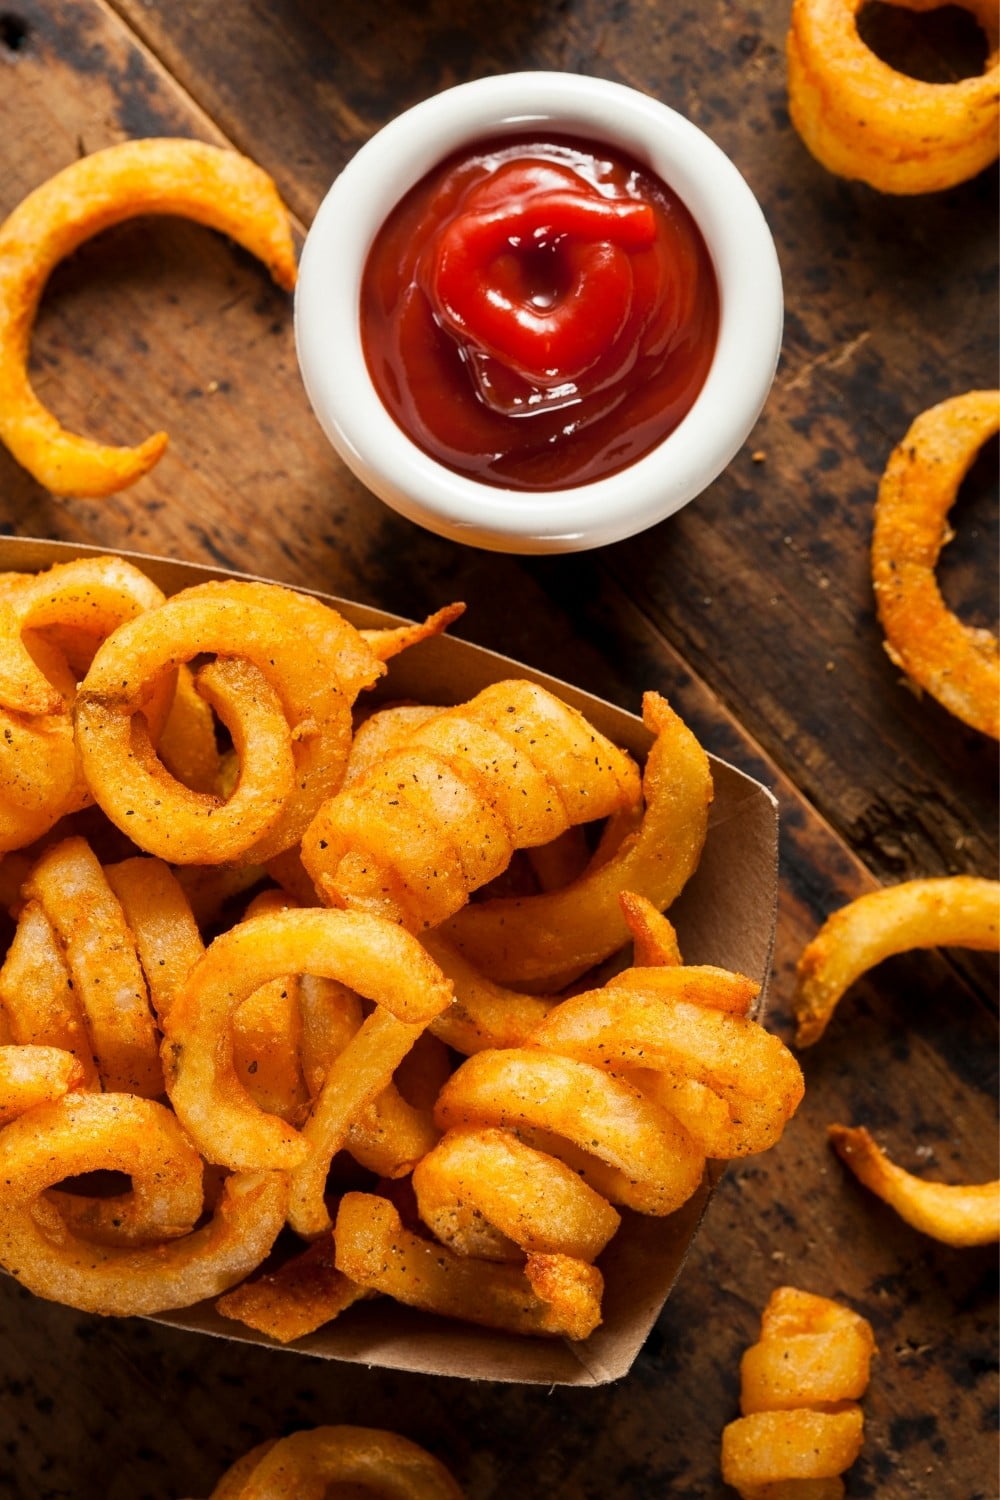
[683, 464]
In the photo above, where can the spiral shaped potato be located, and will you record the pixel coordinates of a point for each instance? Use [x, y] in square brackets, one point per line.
[442, 815]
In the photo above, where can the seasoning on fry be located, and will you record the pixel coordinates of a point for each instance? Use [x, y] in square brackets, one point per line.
[219, 188]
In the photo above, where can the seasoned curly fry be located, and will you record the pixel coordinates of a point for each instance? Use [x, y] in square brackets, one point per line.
[958, 1214]
[117, 1132]
[306, 1465]
[960, 911]
[442, 815]
[562, 933]
[553, 1294]
[39, 1002]
[215, 187]
[287, 672]
[958, 664]
[635, 1153]
[686, 1024]
[34, 1075]
[864, 120]
[295, 1299]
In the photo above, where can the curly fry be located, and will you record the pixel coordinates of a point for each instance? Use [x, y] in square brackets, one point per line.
[295, 1299]
[34, 1075]
[442, 815]
[287, 671]
[559, 934]
[215, 187]
[959, 911]
[551, 1295]
[956, 663]
[87, 1132]
[956, 1214]
[305, 1465]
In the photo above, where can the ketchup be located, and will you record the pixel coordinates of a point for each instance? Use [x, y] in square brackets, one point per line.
[539, 312]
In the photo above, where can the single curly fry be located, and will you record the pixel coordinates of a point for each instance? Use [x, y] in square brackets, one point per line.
[288, 669]
[485, 1193]
[559, 934]
[865, 121]
[374, 1250]
[376, 958]
[957, 664]
[305, 1466]
[772, 1446]
[40, 1004]
[99, 953]
[959, 1214]
[215, 187]
[441, 816]
[633, 1153]
[34, 1075]
[117, 1132]
[686, 1024]
[959, 911]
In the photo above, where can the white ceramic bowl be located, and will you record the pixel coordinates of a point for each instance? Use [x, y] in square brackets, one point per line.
[328, 332]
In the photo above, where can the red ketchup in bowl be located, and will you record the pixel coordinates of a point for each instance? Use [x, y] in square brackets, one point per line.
[538, 313]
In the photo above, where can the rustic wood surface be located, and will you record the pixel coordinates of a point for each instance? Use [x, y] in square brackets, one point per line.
[751, 610]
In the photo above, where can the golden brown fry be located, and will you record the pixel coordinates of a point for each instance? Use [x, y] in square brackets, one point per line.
[957, 1214]
[960, 911]
[161, 922]
[957, 664]
[310, 1465]
[865, 121]
[551, 1295]
[654, 940]
[529, 940]
[771, 1446]
[39, 1001]
[295, 1299]
[686, 1024]
[215, 187]
[485, 1193]
[393, 639]
[287, 671]
[442, 816]
[86, 1132]
[99, 953]
[375, 958]
[635, 1153]
[34, 1075]
[484, 1014]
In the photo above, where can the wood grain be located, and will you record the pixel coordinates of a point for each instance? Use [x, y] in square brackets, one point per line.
[751, 610]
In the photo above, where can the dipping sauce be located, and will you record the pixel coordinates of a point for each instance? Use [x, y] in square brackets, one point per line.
[539, 312]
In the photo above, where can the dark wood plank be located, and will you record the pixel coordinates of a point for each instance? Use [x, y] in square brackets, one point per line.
[162, 324]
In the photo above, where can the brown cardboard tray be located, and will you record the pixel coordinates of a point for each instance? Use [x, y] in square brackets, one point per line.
[726, 916]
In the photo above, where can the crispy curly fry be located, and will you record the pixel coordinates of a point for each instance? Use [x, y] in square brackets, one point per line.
[687, 1025]
[551, 1295]
[565, 932]
[287, 672]
[51, 624]
[99, 953]
[634, 1153]
[393, 639]
[773, 1446]
[215, 187]
[87, 1132]
[306, 1465]
[865, 121]
[295, 1299]
[485, 1193]
[654, 939]
[40, 1004]
[957, 664]
[374, 957]
[34, 1075]
[960, 911]
[442, 816]
[161, 921]
[959, 1214]
[484, 1015]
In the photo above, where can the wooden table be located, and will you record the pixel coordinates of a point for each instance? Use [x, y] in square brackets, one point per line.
[751, 609]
